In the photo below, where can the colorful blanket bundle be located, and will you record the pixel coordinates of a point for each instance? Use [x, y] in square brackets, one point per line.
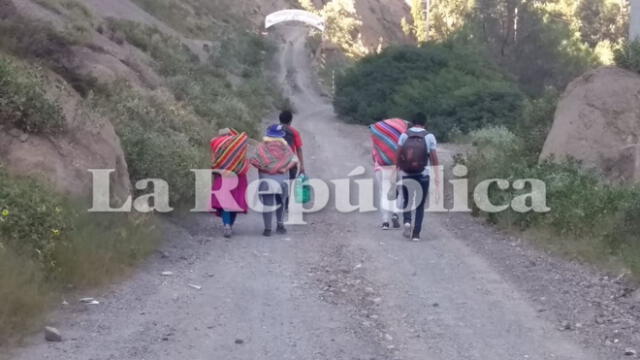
[385, 135]
[274, 156]
[229, 152]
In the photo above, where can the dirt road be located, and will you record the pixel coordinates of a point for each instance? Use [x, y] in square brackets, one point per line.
[338, 288]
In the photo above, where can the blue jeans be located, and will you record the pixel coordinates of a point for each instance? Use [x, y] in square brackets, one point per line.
[228, 217]
[410, 195]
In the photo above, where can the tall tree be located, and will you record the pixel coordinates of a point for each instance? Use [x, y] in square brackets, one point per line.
[448, 16]
[307, 5]
[420, 20]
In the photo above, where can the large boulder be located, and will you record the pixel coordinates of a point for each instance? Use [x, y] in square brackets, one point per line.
[598, 123]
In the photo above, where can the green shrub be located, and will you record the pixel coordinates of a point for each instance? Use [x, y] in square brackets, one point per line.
[78, 19]
[49, 242]
[628, 56]
[588, 218]
[67, 7]
[536, 122]
[172, 56]
[160, 138]
[33, 218]
[23, 102]
[456, 86]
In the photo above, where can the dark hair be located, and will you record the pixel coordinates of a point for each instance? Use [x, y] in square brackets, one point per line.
[286, 117]
[419, 119]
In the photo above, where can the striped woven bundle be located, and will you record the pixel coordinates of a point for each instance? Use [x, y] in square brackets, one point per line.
[229, 152]
[385, 135]
[274, 157]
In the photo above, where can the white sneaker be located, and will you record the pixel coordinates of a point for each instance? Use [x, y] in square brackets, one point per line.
[385, 226]
[407, 230]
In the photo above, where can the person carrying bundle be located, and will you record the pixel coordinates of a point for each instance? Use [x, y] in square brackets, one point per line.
[229, 162]
[274, 159]
[385, 136]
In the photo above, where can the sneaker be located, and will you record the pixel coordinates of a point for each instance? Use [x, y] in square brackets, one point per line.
[415, 238]
[228, 232]
[407, 230]
[266, 233]
[281, 229]
[396, 222]
[385, 226]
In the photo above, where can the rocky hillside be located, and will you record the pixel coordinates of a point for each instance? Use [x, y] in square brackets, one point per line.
[105, 65]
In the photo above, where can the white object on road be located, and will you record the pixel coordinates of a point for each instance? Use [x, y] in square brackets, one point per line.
[194, 286]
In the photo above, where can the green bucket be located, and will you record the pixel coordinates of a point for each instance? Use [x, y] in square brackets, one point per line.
[302, 189]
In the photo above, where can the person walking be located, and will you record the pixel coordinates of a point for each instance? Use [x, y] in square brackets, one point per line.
[385, 136]
[293, 138]
[274, 159]
[416, 153]
[229, 160]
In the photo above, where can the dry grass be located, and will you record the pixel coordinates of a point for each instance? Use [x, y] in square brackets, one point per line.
[24, 292]
[48, 243]
[80, 21]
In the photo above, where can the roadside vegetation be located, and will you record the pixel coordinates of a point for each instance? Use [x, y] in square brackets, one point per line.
[590, 220]
[628, 56]
[495, 86]
[49, 244]
[455, 85]
[161, 138]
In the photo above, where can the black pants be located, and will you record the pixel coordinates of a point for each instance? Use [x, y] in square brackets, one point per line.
[410, 192]
[293, 175]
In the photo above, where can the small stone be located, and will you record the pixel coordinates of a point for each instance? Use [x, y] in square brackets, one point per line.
[388, 337]
[239, 341]
[167, 273]
[90, 301]
[630, 352]
[24, 137]
[52, 334]
[566, 326]
[194, 286]
[435, 305]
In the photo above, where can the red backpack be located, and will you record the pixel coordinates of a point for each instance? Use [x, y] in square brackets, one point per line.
[413, 157]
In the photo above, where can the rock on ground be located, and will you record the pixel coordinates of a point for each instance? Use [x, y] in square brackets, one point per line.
[52, 334]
